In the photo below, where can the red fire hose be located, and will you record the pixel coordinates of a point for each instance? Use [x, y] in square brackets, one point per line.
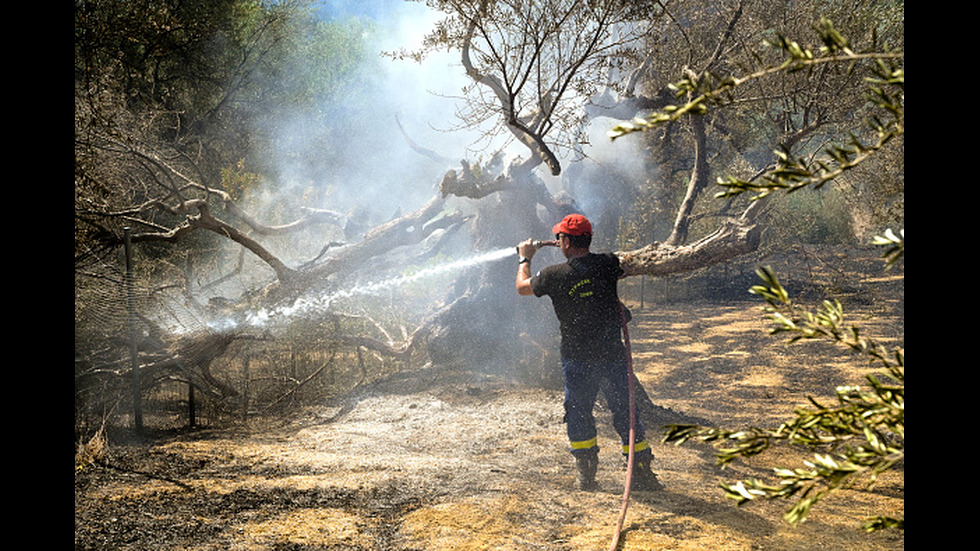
[632, 400]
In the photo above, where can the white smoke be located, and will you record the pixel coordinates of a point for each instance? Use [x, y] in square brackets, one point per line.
[378, 175]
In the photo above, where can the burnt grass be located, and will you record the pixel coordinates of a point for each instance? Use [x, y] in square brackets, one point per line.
[445, 458]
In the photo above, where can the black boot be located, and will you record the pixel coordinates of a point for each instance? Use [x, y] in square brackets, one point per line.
[643, 478]
[588, 464]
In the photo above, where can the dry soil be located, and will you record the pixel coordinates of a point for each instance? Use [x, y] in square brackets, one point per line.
[450, 459]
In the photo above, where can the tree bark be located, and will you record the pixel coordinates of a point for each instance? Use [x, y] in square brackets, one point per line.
[733, 238]
[697, 184]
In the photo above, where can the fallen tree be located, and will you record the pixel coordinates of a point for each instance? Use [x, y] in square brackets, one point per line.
[480, 322]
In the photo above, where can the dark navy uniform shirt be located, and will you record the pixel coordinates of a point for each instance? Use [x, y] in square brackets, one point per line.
[583, 292]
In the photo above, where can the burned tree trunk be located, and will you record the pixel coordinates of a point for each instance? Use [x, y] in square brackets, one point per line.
[486, 325]
[733, 238]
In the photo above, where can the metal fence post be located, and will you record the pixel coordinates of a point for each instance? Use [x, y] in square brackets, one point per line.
[191, 406]
[133, 348]
[245, 390]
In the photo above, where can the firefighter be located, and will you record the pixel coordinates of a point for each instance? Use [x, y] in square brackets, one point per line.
[584, 295]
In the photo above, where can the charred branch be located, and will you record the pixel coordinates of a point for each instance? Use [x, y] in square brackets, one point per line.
[203, 219]
[467, 184]
[301, 384]
[425, 152]
[735, 237]
[407, 230]
[188, 359]
[398, 351]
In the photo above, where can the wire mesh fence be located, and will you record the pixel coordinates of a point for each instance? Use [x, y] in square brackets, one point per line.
[192, 375]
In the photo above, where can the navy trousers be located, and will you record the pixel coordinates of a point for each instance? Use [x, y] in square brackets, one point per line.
[583, 381]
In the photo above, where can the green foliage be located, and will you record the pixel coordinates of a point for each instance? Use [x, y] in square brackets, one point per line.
[857, 438]
[209, 92]
[885, 92]
[811, 218]
[237, 181]
[216, 78]
[894, 246]
[862, 435]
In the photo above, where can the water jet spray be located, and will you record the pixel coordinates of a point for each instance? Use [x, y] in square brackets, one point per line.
[310, 305]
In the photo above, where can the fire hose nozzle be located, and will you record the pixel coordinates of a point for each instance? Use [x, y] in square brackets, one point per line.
[539, 244]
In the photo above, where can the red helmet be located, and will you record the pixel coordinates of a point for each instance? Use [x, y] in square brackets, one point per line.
[573, 224]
